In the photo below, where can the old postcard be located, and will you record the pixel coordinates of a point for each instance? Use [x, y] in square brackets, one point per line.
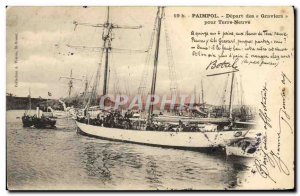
[150, 98]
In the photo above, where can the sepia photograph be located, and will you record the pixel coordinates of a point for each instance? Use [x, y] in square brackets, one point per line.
[150, 98]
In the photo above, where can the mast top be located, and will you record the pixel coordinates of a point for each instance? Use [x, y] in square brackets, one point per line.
[107, 19]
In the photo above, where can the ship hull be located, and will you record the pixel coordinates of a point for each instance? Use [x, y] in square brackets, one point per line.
[38, 122]
[189, 140]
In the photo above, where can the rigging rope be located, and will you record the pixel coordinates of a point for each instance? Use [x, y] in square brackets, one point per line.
[115, 74]
[242, 91]
[143, 82]
[237, 92]
[172, 73]
[93, 96]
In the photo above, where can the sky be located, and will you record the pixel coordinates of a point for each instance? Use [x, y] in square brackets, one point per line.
[43, 57]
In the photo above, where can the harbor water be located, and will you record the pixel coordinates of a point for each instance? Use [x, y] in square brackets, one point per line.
[60, 159]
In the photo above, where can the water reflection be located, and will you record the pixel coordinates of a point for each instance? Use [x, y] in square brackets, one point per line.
[158, 168]
[236, 173]
[96, 163]
[153, 174]
[61, 157]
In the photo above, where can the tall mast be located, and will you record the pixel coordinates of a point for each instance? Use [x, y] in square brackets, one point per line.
[108, 26]
[107, 40]
[230, 99]
[153, 85]
[86, 85]
[70, 84]
[105, 73]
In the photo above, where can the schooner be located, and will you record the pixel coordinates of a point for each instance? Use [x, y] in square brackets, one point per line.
[208, 136]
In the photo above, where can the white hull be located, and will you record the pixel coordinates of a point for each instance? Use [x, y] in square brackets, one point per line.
[165, 139]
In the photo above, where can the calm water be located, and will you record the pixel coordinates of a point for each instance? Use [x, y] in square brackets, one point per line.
[63, 159]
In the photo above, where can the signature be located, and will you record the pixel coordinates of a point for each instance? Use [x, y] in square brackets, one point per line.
[284, 117]
[263, 112]
[223, 65]
[271, 160]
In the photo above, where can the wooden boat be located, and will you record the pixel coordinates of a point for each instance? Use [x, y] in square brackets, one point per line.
[38, 121]
[45, 122]
[27, 121]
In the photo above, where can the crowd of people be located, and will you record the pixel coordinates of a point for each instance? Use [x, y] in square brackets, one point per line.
[113, 119]
[126, 121]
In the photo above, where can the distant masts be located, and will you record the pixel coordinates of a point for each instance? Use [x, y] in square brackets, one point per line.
[70, 83]
[195, 94]
[86, 85]
[231, 97]
[29, 97]
[202, 94]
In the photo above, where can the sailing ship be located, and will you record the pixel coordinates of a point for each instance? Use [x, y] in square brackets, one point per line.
[176, 131]
[73, 101]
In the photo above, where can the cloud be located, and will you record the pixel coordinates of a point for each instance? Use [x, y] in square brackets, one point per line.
[33, 39]
[38, 69]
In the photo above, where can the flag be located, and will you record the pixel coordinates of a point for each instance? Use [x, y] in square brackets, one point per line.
[49, 94]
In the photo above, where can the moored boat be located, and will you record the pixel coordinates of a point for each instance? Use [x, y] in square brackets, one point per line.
[27, 121]
[176, 139]
[176, 131]
[38, 120]
[43, 122]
